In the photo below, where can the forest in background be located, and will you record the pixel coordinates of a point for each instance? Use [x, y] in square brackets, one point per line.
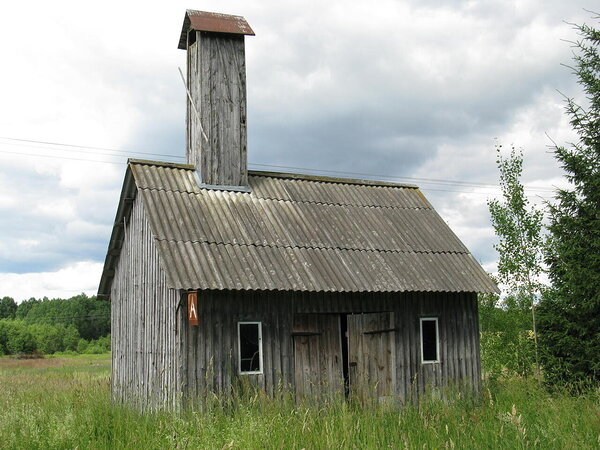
[79, 324]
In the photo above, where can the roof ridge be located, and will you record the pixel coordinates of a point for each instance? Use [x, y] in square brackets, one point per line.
[285, 175]
[306, 247]
[148, 162]
[330, 179]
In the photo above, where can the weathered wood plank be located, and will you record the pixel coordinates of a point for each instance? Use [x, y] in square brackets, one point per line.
[143, 363]
[217, 81]
[282, 352]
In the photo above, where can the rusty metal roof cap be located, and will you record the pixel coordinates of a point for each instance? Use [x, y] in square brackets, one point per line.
[213, 22]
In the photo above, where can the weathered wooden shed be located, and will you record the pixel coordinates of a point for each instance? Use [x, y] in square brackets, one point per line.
[323, 285]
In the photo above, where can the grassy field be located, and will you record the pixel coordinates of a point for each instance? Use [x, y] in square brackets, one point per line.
[64, 403]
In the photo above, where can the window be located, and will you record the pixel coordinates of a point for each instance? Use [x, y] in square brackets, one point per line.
[430, 344]
[250, 347]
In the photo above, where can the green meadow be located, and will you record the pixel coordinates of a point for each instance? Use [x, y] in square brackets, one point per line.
[64, 402]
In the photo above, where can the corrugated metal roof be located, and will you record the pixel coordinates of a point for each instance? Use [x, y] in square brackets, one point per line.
[201, 265]
[213, 22]
[302, 233]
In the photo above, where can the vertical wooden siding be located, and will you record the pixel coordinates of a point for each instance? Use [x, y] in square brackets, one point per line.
[217, 83]
[210, 350]
[144, 350]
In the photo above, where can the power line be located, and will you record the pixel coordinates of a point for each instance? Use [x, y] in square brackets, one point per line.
[431, 180]
[124, 155]
[61, 157]
[427, 180]
[424, 188]
[88, 147]
[444, 182]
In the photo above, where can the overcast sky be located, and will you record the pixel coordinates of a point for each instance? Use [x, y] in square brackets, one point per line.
[402, 90]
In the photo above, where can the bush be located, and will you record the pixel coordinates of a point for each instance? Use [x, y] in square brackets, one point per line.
[49, 339]
[507, 345]
[82, 346]
[71, 338]
[66, 353]
[503, 352]
[20, 339]
[98, 346]
[4, 324]
[94, 349]
[104, 342]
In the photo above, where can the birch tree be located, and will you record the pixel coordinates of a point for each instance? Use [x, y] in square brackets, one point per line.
[518, 225]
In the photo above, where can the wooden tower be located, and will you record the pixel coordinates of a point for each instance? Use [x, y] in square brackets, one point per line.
[216, 106]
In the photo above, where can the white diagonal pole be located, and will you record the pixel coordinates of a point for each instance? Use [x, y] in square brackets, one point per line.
[193, 104]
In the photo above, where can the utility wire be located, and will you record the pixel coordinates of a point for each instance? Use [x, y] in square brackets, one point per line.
[87, 147]
[124, 155]
[428, 180]
[431, 180]
[424, 188]
[73, 148]
[61, 157]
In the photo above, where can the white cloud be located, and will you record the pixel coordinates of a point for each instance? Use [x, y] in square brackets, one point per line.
[87, 229]
[68, 281]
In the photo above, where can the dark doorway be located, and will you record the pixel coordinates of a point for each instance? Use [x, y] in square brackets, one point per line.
[350, 353]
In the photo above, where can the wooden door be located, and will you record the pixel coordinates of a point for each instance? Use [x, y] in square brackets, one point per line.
[371, 356]
[317, 355]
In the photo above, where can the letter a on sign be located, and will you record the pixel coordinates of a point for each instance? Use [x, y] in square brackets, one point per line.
[193, 308]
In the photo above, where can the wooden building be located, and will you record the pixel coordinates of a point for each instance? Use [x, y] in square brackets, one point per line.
[322, 285]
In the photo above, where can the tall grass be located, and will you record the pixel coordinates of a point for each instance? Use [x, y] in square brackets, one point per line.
[64, 403]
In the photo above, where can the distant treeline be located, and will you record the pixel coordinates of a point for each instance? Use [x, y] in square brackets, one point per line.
[78, 324]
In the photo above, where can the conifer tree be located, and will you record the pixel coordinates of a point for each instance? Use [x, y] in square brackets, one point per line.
[569, 316]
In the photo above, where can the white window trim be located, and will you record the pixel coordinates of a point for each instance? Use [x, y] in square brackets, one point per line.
[260, 350]
[437, 340]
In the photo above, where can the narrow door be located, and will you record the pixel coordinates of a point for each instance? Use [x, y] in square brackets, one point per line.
[371, 355]
[317, 355]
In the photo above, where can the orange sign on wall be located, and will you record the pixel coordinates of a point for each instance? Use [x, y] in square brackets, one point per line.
[193, 308]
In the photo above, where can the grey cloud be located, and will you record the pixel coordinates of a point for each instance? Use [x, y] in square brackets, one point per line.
[324, 94]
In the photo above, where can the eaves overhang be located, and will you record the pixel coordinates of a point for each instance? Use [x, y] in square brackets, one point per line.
[128, 195]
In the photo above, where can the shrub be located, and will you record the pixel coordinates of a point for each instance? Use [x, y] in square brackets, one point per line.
[82, 346]
[66, 353]
[104, 342]
[20, 339]
[98, 346]
[4, 324]
[71, 338]
[48, 338]
[94, 349]
[507, 345]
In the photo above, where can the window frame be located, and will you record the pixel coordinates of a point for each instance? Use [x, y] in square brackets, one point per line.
[437, 340]
[260, 349]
